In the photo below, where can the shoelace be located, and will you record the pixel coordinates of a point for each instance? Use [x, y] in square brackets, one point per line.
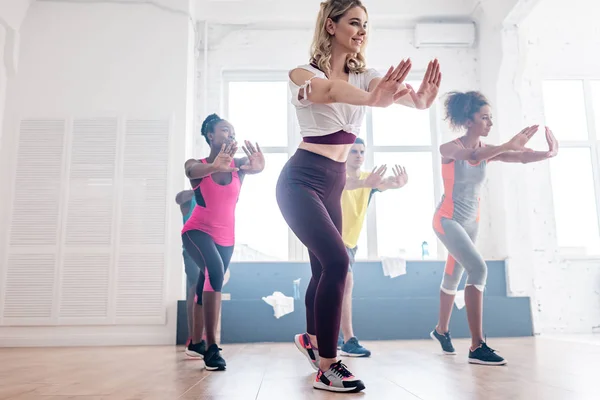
[341, 370]
[487, 348]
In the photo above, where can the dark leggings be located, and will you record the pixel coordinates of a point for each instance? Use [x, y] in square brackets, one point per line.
[211, 258]
[309, 192]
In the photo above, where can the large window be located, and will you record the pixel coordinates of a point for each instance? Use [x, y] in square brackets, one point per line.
[258, 107]
[572, 110]
[398, 221]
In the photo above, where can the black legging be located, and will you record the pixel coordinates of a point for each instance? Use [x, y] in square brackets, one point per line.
[309, 192]
[210, 257]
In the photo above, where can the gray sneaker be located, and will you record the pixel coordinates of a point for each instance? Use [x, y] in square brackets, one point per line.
[338, 379]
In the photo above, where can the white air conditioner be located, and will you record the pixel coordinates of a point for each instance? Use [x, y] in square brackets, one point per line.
[445, 34]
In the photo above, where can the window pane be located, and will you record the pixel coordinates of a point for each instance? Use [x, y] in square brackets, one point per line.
[575, 201]
[261, 232]
[564, 109]
[248, 102]
[596, 101]
[399, 125]
[404, 215]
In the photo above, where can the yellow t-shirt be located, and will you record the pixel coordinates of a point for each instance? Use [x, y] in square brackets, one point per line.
[354, 209]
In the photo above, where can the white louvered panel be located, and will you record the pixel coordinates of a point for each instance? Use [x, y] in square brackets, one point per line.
[91, 182]
[145, 170]
[29, 287]
[37, 194]
[85, 280]
[140, 287]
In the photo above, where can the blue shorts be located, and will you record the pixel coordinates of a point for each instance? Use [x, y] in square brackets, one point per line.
[351, 256]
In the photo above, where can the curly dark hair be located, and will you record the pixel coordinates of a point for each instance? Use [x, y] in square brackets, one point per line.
[460, 107]
[209, 124]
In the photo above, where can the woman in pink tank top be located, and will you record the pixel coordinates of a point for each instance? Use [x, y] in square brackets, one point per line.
[209, 234]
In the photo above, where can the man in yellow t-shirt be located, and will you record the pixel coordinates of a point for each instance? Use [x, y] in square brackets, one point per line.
[360, 186]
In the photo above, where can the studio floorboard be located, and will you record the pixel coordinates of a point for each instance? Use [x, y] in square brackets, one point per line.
[548, 368]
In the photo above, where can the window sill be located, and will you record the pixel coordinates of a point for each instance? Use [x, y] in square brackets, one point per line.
[578, 257]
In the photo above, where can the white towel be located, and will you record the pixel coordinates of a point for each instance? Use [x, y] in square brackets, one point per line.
[281, 304]
[393, 266]
[459, 299]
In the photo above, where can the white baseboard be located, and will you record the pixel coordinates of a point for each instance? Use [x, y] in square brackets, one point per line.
[88, 336]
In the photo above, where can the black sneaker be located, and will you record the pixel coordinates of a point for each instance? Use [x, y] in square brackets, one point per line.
[485, 356]
[445, 340]
[213, 360]
[338, 379]
[196, 350]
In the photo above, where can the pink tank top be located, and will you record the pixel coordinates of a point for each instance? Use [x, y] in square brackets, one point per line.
[214, 213]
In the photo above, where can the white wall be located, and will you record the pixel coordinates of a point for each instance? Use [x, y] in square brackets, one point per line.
[90, 60]
[562, 42]
[556, 40]
[3, 78]
[238, 48]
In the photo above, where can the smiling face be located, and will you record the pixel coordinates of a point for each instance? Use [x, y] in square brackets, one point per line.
[481, 122]
[349, 32]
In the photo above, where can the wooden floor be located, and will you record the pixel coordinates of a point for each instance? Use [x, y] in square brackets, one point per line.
[540, 368]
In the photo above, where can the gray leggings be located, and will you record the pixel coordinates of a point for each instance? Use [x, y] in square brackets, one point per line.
[459, 239]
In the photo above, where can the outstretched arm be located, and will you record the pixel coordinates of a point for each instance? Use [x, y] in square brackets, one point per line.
[325, 91]
[454, 151]
[310, 89]
[195, 169]
[529, 156]
[372, 181]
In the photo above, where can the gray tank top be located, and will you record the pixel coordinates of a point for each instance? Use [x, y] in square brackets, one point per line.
[462, 189]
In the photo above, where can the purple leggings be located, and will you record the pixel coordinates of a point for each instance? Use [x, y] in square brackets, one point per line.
[309, 193]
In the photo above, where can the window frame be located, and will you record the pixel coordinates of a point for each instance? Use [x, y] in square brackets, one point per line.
[592, 143]
[296, 250]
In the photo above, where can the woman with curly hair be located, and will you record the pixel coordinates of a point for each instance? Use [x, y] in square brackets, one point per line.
[456, 220]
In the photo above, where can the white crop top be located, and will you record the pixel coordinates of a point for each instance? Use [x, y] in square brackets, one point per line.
[323, 119]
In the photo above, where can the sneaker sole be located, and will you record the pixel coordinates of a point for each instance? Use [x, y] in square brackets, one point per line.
[449, 353]
[194, 355]
[322, 386]
[480, 362]
[214, 368]
[305, 353]
[343, 353]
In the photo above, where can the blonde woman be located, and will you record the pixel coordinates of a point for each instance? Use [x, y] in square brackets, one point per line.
[330, 96]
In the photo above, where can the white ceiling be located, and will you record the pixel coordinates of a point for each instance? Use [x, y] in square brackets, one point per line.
[305, 11]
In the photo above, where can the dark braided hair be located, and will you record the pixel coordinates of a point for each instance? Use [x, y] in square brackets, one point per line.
[461, 107]
[209, 124]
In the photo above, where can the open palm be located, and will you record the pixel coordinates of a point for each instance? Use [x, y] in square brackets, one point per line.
[518, 142]
[256, 159]
[222, 162]
[391, 87]
[552, 143]
[430, 87]
[399, 179]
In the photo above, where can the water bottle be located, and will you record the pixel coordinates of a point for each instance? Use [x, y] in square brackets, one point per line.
[297, 289]
[424, 250]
